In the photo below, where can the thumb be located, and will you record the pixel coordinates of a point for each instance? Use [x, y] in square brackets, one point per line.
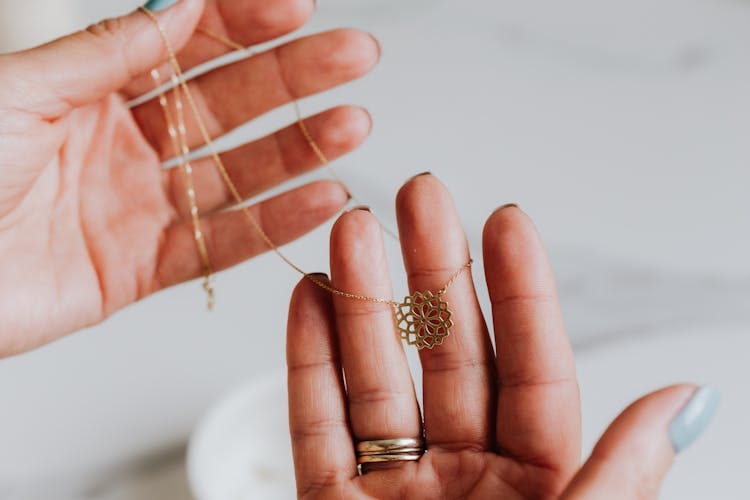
[83, 67]
[635, 453]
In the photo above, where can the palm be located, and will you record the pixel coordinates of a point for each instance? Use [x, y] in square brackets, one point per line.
[92, 222]
[497, 420]
[462, 474]
[99, 207]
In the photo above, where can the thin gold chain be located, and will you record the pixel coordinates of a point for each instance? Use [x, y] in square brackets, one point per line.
[221, 38]
[181, 82]
[455, 277]
[178, 136]
[228, 42]
[325, 161]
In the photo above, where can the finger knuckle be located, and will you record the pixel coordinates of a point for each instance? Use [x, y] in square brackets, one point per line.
[316, 428]
[106, 29]
[374, 396]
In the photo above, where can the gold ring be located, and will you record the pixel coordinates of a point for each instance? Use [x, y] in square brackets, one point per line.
[385, 446]
[380, 451]
[401, 451]
[400, 457]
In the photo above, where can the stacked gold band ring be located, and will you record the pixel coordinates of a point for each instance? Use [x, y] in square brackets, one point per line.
[390, 450]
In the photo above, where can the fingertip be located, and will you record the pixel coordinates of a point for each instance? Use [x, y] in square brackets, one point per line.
[378, 45]
[507, 218]
[354, 234]
[508, 206]
[663, 404]
[642, 428]
[358, 262]
[676, 394]
[432, 235]
[306, 286]
[511, 240]
[364, 120]
[694, 417]
[415, 184]
[355, 51]
[327, 197]
[347, 128]
[423, 197]
[304, 208]
[338, 195]
[635, 453]
[511, 236]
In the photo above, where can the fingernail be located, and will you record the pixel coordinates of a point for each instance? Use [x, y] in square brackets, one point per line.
[361, 207]
[419, 175]
[157, 5]
[694, 418]
[345, 188]
[369, 117]
[318, 275]
[377, 42]
[507, 205]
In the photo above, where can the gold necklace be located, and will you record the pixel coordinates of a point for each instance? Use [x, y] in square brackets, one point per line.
[423, 318]
[301, 124]
[178, 135]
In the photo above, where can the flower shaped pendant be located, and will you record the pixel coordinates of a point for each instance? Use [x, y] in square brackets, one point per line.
[423, 320]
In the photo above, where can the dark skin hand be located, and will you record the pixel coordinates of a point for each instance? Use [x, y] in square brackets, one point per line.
[499, 424]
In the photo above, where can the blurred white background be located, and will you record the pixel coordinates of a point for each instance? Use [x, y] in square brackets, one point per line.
[620, 126]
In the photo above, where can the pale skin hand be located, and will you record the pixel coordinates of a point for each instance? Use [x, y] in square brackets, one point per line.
[89, 222]
[498, 425]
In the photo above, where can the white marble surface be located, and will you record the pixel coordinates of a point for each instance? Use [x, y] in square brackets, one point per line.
[621, 127]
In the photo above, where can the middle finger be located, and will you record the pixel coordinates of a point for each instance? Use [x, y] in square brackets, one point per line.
[459, 375]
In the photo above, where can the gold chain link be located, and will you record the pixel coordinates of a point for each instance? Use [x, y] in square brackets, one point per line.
[178, 136]
[455, 277]
[221, 38]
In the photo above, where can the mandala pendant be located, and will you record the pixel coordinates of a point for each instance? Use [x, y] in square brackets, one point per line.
[424, 320]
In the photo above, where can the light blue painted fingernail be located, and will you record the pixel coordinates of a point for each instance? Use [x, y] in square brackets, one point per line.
[157, 5]
[694, 418]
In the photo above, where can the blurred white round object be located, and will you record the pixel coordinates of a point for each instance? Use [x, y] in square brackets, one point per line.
[241, 450]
